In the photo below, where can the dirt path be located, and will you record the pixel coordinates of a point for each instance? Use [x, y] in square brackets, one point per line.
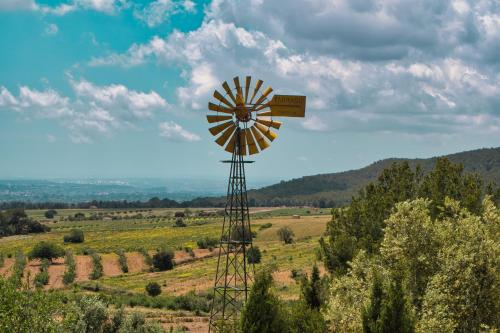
[6, 270]
[83, 267]
[110, 265]
[56, 271]
[135, 262]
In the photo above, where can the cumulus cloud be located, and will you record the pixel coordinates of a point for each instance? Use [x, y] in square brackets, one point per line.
[175, 132]
[51, 29]
[96, 110]
[104, 6]
[364, 65]
[159, 11]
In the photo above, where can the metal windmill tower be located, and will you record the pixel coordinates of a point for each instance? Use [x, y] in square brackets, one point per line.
[245, 118]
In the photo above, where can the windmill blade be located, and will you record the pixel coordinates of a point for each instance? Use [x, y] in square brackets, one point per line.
[225, 136]
[265, 114]
[269, 123]
[247, 87]
[216, 119]
[264, 95]
[266, 131]
[257, 87]
[222, 99]
[236, 80]
[228, 91]
[259, 138]
[219, 108]
[262, 107]
[252, 146]
[230, 146]
[219, 128]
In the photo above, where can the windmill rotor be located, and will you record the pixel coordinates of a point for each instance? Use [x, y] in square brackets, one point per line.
[246, 111]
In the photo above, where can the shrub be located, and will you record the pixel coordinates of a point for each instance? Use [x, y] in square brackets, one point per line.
[70, 273]
[265, 226]
[153, 289]
[179, 222]
[18, 269]
[50, 214]
[42, 278]
[254, 255]
[163, 259]
[239, 234]
[2, 260]
[122, 260]
[97, 266]
[46, 250]
[147, 257]
[207, 242]
[75, 236]
[286, 235]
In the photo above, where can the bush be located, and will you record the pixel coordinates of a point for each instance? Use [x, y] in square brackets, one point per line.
[70, 273]
[153, 289]
[265, 226]
[207, 242]
[18, 269]
[75, 236]
[42, 278]
[46, 250]
[254, 255]
[147, 257]
[50, 214]
[163, 260]
[286, 235]
[122, 260]
[97, 266]
[2, 260]
[179, 222]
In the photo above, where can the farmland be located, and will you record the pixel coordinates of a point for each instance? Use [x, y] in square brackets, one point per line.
[136, 231]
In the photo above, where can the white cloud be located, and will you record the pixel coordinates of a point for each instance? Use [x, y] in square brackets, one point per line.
[175, 132]
[96, 110]
[104, 6]
[314, 123]
[51, 138]
[51, 29]
[159, 11]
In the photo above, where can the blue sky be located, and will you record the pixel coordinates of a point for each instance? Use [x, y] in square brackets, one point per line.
[118, 88]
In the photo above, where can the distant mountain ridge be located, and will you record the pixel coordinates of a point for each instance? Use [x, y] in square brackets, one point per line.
[338, 188]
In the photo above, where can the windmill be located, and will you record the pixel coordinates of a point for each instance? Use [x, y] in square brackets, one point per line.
[243, 119]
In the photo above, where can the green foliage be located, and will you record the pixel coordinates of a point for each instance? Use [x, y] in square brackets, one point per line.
[2, 260]
[70, 272]
[395, 315]
[371, 314]
[163, 259]
[303, 319]
[361, 224]
[50, 214]
[263, 312]
[42, 278]
[18, 269]
[265, 226]
[122, 260]
[312, 289]
[46, 250]
[147, 257]
[16, 222]
[75, 236]
[153, 289]
[241, 233]
[207, 242]
[96, 266]
[253, 255]
[286, 235]
[24, 310]
[179, 222]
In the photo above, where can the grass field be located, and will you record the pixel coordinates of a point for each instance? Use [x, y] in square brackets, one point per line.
[156, 229]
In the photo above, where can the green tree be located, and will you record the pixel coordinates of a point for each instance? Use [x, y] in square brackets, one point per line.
[303, 319]
[163, 259]
[75, 236]
[263, 312]
[395, 315]
[311, 289]
[253, 255]
[50, 214]
[46, 250]
[153, 289]
[371, 314]
[286, 235]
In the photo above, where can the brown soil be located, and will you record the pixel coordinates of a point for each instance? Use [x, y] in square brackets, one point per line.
[110, 265]
[83, 267]
[6, 269]
[56, 271]
[193, 324]
[31, 269]
[135, 262]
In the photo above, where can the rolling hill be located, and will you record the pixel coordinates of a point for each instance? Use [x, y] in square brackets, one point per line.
[337, 188]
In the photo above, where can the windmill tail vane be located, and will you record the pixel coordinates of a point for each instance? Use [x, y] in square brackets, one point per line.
[243, 124]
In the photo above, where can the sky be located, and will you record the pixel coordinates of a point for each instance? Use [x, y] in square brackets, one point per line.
[119, 88]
